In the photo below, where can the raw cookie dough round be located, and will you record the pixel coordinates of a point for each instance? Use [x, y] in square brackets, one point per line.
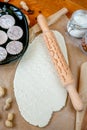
[3, 54]
[7, 21]
[14, 47]
[15, 32]
[37, 87]
[3, 37]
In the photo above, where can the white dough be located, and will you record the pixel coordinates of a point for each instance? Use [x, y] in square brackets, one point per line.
[37, 87]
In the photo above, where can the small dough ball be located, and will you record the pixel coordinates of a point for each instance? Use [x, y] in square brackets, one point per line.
[9, 100]
[8, 124]
[10, 116]
[2, 91]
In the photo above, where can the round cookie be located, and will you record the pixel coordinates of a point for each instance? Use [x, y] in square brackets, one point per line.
[14, 47]
[7, 21]
[3, 53]
[3, 37]
[15, 33]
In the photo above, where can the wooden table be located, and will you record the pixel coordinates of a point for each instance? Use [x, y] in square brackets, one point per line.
[48, 7]
[81, 2]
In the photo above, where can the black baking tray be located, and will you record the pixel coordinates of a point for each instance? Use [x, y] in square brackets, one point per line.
[21, 21]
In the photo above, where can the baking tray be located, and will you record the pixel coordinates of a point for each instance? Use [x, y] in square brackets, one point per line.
[20, 20]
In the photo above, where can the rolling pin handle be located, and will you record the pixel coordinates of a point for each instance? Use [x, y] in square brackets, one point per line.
[43, 23]
[75, 98]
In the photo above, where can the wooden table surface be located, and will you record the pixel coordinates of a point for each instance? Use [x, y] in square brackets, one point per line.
[48, 7]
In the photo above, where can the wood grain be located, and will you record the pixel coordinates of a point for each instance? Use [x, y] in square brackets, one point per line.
[47, 7]
[81, 117]
[81, 2]
[84, 122]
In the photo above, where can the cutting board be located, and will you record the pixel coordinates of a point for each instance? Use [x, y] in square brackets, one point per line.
[62, 120]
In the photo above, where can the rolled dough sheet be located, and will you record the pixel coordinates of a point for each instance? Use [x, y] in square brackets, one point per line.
[37, 87]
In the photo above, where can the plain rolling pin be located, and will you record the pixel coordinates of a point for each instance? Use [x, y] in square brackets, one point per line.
[60, 63]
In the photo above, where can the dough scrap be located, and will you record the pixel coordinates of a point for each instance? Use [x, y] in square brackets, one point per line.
[37, 87]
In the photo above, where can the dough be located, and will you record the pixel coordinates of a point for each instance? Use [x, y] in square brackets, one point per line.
[37, 87]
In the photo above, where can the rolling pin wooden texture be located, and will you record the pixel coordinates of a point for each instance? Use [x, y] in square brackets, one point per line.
[60, 63]
[81, 117]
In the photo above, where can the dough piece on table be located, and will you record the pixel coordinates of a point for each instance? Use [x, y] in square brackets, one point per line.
[37, 87]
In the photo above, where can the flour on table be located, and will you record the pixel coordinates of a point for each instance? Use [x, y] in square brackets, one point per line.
[37, 87]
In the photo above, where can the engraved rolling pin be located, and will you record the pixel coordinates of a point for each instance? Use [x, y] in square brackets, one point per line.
[60, 63]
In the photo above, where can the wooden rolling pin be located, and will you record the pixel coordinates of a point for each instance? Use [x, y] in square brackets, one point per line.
[60, 63]
[81, 117]
[50, 20]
